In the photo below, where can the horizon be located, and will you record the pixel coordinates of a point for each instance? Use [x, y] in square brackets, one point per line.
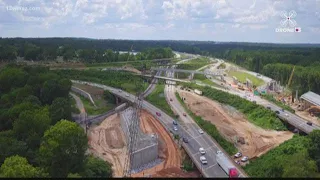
[159, 40]
[251, 21]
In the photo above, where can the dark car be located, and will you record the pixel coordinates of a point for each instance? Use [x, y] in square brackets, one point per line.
[268, 107]
[309, 123]
[175, 123]
[254, 102]
[185, 140]
[277, 112]
[282, 110]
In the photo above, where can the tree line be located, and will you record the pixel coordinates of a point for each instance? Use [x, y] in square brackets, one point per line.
[11, 49]
[37, 136]
[253, 56]
[297, 157]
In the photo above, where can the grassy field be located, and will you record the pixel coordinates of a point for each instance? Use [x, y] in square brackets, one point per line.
[158, 99]
[241, 76]
[194, 64]
[74, 108]
[92, 110]
[210, 129]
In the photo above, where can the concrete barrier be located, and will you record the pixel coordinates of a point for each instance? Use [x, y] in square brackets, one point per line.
[83, 93]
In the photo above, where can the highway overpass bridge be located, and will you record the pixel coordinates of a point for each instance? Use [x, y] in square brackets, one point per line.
[192, 148]
[206, 72]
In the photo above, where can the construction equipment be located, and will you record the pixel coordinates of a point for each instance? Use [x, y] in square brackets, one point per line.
[290, 79]
[314, 110]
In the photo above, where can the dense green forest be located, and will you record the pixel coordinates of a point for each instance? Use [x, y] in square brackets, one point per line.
[36, 50]
[297, 157]
[37, 136]
[117, 79]
[253, 56]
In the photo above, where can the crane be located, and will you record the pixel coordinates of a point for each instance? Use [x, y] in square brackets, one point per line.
[290, 79]
[129, 52]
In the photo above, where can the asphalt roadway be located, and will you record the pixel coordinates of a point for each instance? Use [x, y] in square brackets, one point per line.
[196, 140]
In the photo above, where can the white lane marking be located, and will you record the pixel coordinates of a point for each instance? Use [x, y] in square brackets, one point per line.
[210, 166]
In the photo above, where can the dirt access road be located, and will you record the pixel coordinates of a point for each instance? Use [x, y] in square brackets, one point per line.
[107, 141]
[233, 125]
[168, 150]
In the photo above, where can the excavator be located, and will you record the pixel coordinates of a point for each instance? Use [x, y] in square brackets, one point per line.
[314, 110]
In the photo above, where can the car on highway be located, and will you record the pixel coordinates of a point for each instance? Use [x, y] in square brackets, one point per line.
[127, 95]
[200, 131]
[309, 123]
[277, 112]
[184, 114]
[120, 91]
[175, 128]
[238, 154]
[202, 151]
[185, 140]
[282, 110]
[245, 158]
[175, 122]
[268, 107]
[158, 114]
[170, 99]
[203, 160]
[287, 114]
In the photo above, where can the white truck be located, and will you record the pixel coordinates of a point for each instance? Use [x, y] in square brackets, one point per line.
[226, 165]
[198, 92]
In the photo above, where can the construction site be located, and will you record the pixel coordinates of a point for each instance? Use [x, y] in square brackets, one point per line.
[109, 142]
[251, 140]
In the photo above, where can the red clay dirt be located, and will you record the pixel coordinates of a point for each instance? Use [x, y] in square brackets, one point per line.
[168, 150]
[257, 141]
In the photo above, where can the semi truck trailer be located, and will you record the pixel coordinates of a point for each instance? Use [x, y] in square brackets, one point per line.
[198, 92]
[226, 165]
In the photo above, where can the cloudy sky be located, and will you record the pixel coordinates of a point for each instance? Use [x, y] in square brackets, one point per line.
[208, 20]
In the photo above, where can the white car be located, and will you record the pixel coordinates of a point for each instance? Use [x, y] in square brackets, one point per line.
[202, 151]
[175, 128]
[244, 159]
[127, 95]
[200, 131]
[287, 114]
[238, 155]
[203, 160]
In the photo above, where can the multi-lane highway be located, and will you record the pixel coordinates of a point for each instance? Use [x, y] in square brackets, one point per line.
[191, 128]
[188, 71]
[196, 140]
[287, 116]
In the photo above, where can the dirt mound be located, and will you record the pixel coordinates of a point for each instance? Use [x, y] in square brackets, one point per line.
[113, 137]
[257, 141]
[131, 69]
[107, 141]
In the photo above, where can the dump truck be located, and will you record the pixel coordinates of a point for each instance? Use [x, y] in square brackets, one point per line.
[198, 92]
[226, 165]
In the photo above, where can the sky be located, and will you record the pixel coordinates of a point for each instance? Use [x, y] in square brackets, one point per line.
[203, 20]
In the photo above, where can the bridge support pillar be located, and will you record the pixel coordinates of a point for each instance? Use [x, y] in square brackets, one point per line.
[118, 101]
